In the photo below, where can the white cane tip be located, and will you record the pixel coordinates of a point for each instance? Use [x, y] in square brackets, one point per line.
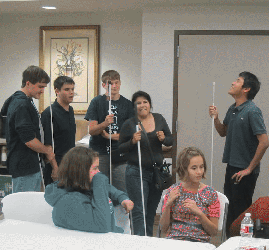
[214, 83]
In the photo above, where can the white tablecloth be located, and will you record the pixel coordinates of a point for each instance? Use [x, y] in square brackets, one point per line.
[234, 243]
[19, 235]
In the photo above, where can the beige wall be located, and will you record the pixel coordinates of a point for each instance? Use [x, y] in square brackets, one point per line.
[139, 45]
[158, 52]
[120, 43]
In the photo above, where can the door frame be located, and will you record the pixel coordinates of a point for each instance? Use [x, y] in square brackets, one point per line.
[177, 33]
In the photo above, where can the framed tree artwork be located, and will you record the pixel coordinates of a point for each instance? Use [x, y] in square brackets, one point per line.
[71, 51]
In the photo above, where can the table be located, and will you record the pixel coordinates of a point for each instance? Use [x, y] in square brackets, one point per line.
[234, 242]
[16, 234]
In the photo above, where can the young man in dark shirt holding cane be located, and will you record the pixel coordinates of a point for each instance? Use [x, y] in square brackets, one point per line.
[99, 121]
[246, 143]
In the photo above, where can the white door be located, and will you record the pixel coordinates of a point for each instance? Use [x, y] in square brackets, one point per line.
[205, 59]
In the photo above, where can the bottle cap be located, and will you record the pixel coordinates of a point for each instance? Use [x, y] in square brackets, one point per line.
[248, 214]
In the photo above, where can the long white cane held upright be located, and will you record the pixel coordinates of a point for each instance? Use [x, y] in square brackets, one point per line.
[110, 143]
[141, 181]
[51, 121]
[212, 136]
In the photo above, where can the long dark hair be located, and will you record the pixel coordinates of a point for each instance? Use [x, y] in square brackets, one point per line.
[74, 169]
[141, 93]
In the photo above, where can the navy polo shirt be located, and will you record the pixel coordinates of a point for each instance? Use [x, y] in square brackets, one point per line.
[64, 129]
[244, 123]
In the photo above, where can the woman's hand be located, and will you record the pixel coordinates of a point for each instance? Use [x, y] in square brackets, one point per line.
[191, 204]
[128, 205]
[160, 135]
[173, 195]
[136, 137]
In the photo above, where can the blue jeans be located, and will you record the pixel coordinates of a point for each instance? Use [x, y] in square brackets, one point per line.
[152, 198]
[26, 183]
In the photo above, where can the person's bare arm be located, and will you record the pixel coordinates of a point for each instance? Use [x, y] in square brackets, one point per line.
[97, 129]
[166, 214]
[114, 137]
[262, 147]
[209, 224]
[39, 147]
[220, 127]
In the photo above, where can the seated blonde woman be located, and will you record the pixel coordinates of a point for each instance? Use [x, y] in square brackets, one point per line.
[191, 209]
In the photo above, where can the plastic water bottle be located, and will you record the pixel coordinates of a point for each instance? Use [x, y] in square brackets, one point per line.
[247, 226]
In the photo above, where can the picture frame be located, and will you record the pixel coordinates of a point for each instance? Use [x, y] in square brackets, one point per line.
[73, 51]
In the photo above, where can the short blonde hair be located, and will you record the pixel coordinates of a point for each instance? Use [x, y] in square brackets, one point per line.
[183, 161]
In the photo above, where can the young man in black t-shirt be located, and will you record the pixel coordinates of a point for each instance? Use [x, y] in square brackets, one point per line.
[99, 121]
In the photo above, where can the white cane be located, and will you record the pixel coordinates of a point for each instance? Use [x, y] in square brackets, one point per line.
[51, 123]
[141, 180]
[212, 136]
[110, 143]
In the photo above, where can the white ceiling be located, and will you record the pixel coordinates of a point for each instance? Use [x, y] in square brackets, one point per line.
[33, 6]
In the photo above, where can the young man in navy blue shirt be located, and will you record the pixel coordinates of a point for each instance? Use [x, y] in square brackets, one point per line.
[246, 143]
[64, 126]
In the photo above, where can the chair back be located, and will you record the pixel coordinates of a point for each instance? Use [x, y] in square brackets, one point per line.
[27, 206]
[158, 234]
[122, 219]
[224, 202]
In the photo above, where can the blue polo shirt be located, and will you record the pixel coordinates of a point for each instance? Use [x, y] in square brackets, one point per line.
[244, 123]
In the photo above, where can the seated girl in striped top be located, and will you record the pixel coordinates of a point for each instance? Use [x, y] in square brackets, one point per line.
[191, 209]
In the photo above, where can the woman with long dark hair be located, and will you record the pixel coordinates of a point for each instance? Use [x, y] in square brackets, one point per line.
[158, 133]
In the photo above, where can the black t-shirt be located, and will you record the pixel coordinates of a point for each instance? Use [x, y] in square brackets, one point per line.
[64, 129]
[98, 110]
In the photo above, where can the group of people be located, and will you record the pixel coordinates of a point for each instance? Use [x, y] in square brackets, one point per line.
[76, 178]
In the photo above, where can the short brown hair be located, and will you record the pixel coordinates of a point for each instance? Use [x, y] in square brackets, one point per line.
[74, 168]
[110, 75]
[34, 74]
[183, 161]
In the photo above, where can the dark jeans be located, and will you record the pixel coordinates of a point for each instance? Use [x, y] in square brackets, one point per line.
[47, 170]
[118, 171]
[239, 195]
[152, 198]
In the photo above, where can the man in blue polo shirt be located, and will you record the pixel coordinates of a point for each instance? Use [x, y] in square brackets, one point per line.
[246, 143]
[64, 126]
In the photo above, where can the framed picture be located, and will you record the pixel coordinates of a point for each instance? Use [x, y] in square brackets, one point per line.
[71, 51]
